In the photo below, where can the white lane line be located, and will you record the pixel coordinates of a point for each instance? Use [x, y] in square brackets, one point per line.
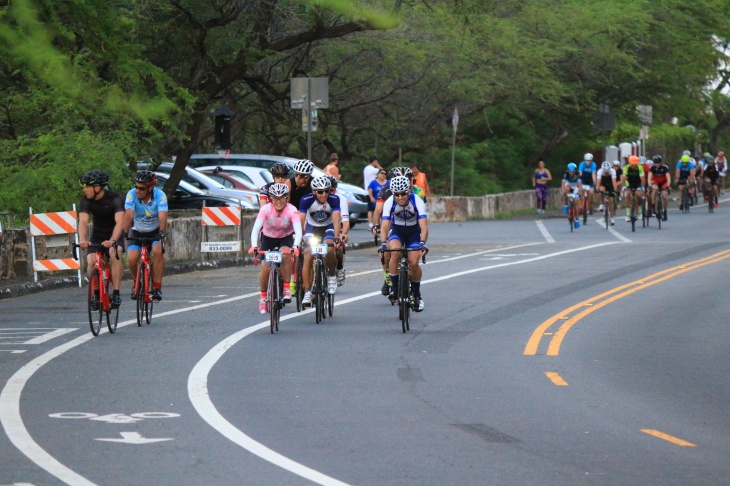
[201, 400]
[14, 427]
[544, 231]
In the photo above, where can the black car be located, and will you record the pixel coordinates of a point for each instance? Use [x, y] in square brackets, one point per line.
[187, 196]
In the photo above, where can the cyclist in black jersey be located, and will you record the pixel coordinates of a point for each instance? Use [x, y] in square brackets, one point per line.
[712, 176]
[301, 182]
[107, 211]
[280, 174]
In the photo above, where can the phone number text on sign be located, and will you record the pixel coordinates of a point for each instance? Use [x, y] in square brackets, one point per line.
[209, 246]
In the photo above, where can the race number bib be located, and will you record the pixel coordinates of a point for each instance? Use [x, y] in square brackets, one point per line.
[273, 257]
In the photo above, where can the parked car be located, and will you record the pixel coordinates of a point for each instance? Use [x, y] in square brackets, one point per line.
[230, 180]
[249, 199]
[190, 197]
[357, 197]
[256, 175]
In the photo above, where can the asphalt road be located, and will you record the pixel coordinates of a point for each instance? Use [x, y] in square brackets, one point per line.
[542, 357]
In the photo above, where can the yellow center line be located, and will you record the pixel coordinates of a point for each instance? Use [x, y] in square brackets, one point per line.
[668, 438]
[609, 296]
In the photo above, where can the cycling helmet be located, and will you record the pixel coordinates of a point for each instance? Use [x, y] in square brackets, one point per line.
[657, 159]
[400, 184]
[146, 177]
[588, 157]
[278, 190]
[333, 182]
[706, 154]
[616, 162]
[407, 172]
[572, 166]
[687, 153]
[304, 167]
[321, 182]
[633, 160]
[685, 158]
[279, 169]
[95, 178]
[394, 172]
[606, 166]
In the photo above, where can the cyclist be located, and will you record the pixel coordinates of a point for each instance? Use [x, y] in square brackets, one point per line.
[685, 175]
[606, 178]
[300, 184]
[711, 176]
[107, 210]
[659, 182]
[344, 230]
[721, 162]
[587, 169]
[319, 213]
[280, 227]
[699, 169]
[571, 188]
[280, 173]
[405, 222]
[633, 180]
[146, 217]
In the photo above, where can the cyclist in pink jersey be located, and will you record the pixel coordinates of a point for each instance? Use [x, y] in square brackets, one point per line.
[280, 227]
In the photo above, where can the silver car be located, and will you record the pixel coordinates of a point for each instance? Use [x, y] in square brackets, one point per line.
[249, 199]
[357, 197]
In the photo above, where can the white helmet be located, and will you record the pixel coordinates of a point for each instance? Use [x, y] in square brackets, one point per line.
[400, 184]
[304, 167]
[606, 165]
[321, 182]
[278, 190]
[588, 157]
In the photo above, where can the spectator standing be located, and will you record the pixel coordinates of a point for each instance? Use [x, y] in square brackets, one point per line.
[721, 162]
[540, 179]
[374, 188]
[419, 179]
[370, 172]
[333, 168]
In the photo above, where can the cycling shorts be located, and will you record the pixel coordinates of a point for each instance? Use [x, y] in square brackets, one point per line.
[267, 243]
[324, 233]
[409, 236]
[143, 234]
[97, 238]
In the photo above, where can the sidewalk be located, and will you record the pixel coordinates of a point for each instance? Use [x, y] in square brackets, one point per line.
[24, 286]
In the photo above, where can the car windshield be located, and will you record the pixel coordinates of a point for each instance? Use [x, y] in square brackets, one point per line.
[184, 186]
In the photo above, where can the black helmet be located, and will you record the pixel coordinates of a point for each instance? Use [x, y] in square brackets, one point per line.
[95, 178]
[333, 182]
[146, 177]
[279, 169]
[657, 159]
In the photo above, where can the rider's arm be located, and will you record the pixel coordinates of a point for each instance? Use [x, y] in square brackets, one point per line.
[297, 223]
[118, 225]
[163, 220]
[128, 220]
[423, 224]
[258, 224]
[83, 227]
[336, 222]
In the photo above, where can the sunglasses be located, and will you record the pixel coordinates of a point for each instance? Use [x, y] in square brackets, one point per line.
[400, 194]
[301, 176]
[326, 191]
[141, 188]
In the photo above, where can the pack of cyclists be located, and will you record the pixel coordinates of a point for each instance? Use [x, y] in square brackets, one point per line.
[651, 178]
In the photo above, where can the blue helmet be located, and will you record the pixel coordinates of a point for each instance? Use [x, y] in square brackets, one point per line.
[572, 166]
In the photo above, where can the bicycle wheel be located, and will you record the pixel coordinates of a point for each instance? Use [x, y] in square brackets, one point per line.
[710, 197]
[299, 290]
[112, 315]
[404, 298]
[315, 292]
[273, 298]
[148, 302]
[95, 316]
[659, 210]
[139, 291]
[633, 216]
[606, 214]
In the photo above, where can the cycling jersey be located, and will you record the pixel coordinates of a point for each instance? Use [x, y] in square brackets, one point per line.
[659, 174]
[146, 215]
[297, 193]
[586, 171]
[103, 211]
[385, 192]
[633, 174]
[407, 215]
[572, 179]
[605, 178]
[712, 173]
[685, 170]
[317, 213]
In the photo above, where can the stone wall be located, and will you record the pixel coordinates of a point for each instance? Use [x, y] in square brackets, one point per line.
[457, 208]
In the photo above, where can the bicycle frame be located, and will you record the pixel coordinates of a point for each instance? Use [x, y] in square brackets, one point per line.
[100, 279]
[404, 284]
[143, 283]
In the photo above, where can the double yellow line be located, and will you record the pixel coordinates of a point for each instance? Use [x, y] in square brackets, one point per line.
[573, 314]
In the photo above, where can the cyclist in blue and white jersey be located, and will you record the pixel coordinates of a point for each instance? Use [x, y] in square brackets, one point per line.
[588, 170]
[684, 174]
[145, 216]
[320, 215]
[405, 223]
[572, 187]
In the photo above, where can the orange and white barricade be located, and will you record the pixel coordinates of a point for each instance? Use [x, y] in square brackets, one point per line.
[218, 217]
[51, 225]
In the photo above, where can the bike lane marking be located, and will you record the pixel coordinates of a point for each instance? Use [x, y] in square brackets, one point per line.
[15, 429]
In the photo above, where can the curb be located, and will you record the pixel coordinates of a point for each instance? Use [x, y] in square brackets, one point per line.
[27, 288]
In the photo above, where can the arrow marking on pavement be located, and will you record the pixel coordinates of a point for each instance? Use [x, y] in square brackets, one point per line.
[133, 438]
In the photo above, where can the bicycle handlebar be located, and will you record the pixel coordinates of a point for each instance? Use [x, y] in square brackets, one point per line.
[94, 246]
[403, 250]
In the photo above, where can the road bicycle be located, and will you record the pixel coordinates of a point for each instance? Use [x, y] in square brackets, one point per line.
[634, 214]
[275, 286]
[322, 301]
[584, 204]
[405, 300]
[100, 281]
[709, 197]
[606, 198]
[143, 286]
[659, 209]
[684, 199]
[572, 212]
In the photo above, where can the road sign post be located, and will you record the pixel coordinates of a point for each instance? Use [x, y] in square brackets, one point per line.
[309, 95]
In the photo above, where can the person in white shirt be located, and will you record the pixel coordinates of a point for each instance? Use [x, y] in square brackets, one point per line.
[369, 174]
